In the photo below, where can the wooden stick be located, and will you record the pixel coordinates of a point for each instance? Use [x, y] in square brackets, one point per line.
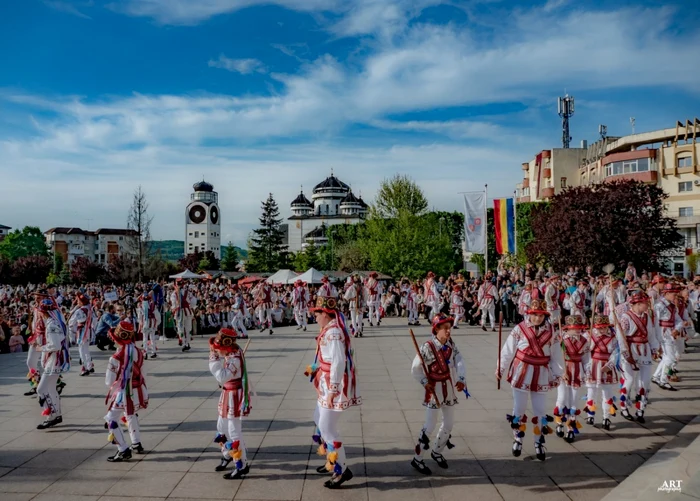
[500, 330]
[246, 347]
[425, 367]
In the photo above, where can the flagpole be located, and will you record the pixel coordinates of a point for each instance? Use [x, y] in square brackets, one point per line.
[486, 228]
[515, 223]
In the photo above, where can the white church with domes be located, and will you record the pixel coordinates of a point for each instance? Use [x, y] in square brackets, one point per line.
[332, 202]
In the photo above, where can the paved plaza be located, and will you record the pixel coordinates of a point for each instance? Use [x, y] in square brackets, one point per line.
[69, 462]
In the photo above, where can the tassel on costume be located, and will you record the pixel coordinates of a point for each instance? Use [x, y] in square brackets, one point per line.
[113, 425]
[332, 457]
[110, 437]
[536, 430]
[329, 467]
[46, 412]
[237, 454]
[321, 451]
[239, 465]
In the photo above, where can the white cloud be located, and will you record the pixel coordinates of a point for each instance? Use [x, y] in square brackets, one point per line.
[69, 8]
[242, 66]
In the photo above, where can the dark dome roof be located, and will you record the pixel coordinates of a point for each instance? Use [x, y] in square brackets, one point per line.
[350, 199]
[301, 200]
[330, 183]
[362, 203]
[202, 186]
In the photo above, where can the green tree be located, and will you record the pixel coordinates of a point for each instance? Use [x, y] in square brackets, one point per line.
[230, 260]
[352, 257]
[57, 264]
[64, 278]
[29, 241]
[204, 264]
[312, 256]
[399, 194]
[267, 250]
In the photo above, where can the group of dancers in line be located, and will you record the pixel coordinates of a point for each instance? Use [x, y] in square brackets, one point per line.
[610, 357]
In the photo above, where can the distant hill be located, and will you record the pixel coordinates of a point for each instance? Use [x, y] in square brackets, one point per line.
[174, 250]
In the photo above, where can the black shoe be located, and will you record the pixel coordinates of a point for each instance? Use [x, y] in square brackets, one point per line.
[439, 459]
[236, 474]
[155, 355]
[304, 328]
[85, 373]
[606, 424]
[540, 452]
[137, 448]
[184, 349]
[421, 467]
[179, 342]
[322, 470]
[493, 330]
[517, 448]
[338, 480]
[640, 418]
[589, 420]
[223, 465]
[262, 330]
[101, 347]
[270, 332]
[626, 414]
[120, 456]
[560, 431]
[299, 328]
[49, 423]
[30, 392]
[92, 371]
[667, 386]
[145, 356]
[455, 327]
[483, 328]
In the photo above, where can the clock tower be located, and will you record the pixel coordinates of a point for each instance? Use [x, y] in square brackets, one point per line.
[202, 221]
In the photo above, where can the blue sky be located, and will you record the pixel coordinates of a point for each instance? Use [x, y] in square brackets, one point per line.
[97, 97]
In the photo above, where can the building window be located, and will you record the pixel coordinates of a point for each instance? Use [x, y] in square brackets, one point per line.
[121, 238]
[685, 162]
[563, 182]
[196, 234]
[190, 233]
[685, 186]
[685, 212]
[627, 167]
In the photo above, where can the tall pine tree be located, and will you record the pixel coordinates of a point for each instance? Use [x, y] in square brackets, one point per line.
[230, 260]
[267, 249]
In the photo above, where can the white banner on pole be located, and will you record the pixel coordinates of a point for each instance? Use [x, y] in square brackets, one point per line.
[474, 222]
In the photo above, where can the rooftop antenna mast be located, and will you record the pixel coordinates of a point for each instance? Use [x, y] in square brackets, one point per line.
[603, 131]
[632, 123]
[565, 109]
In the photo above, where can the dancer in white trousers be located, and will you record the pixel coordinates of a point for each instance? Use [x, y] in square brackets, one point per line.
[354, 295]
[239, 311]
[534, 362]
[636, 334]
[81, 326]
[601, 373]
[412, 305]
[182, 303]
[55, 360]
[334, 377]
[669, 327]
[146, 314]
[300, 300]
[228, 366]
[446, 373]
[487, 297]
[456, 305]
[576, 346]
[373, 293]
[128, 394]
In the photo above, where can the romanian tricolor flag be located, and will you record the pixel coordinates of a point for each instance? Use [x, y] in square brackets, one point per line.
[504, 219]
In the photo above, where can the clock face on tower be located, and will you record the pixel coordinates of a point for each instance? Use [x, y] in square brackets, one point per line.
[214, 214]
[197, 214]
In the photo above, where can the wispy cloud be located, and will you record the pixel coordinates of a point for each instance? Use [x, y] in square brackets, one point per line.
[69, 8]
[242, 66]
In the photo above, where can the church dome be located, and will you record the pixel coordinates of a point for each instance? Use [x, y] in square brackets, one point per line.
[203, 186]
[331, 183]
[301, 201]
[350, 199]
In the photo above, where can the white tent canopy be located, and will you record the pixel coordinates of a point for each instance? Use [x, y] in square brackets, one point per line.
[311, 276]
[186, 275]
[283, 277]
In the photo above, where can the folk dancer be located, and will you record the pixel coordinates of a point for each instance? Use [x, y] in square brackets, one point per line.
[669, 326]
[228, 366]
[300, 299]
[80, 325]
[182, 303]
[327, 289]
[612, 295]
[486, 297]
[335, 380]
[601, 372]
[239, 311]
[688, 330]
[636, 333]
[576, 347]
[456, 305]
[264, 300]
[126, 379]
[524, 299]
[578, 299]
[534, 361]
[55, 360]
[354, 295]
[146, 314]
[551, 297]
[412, 305]
[446, 373]
[35, 340]
[432, 296]
[373, 293]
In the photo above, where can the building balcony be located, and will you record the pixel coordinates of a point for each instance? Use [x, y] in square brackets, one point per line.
[546, 153]
[526, 166]
[547, 172]
[526, 182]
[687, 221]
[649, 177]
[547, 192]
